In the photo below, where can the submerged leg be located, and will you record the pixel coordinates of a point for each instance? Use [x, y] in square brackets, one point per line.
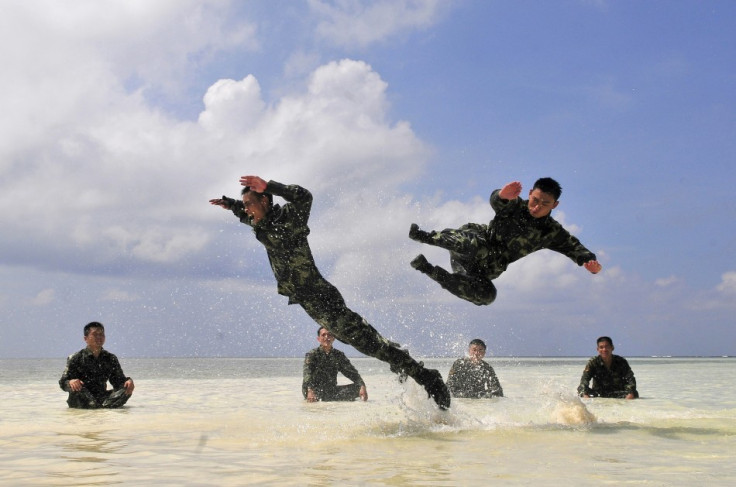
[116, 399]
[82, 400]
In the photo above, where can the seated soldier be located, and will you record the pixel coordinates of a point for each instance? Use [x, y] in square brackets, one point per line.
[88, 371]
[321, 366]
[611, 374]
[472, 377]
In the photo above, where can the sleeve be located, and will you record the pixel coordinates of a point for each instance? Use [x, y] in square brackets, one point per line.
[495, 388]
[569, 246]
[300, 197]
[117, 377]
[70, 372]
[628, 378]
[453, 377]
[500, 205]
[308, 373]
[348, 370]
[584, 387]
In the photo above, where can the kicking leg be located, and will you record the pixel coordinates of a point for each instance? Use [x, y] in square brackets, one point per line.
[477, 290]
[466, 240]
[349, 327]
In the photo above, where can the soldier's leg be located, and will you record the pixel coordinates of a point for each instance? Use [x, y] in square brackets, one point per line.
[477, 290]
[82, 400]
[115, 399]
[348, 392]
[466, 240]
[349, 327]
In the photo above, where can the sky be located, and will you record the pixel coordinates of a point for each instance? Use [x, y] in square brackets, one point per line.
[123, 118]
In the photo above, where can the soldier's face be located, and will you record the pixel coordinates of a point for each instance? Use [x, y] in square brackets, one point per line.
[605, 349]
[255, 205]
[476, 352]
[541, 203]
[95, 339]
[325, 339]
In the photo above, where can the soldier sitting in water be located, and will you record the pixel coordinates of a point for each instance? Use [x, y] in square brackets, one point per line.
[88, 371]
[611, 374]
[321, 366]
[480, 253]
[283, 232]
[472, 376]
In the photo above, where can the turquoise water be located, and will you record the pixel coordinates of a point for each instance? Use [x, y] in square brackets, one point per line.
[201, 422]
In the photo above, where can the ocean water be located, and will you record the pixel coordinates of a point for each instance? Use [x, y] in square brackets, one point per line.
[232, 422]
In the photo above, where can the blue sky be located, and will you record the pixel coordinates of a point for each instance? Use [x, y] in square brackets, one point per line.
[123, 118]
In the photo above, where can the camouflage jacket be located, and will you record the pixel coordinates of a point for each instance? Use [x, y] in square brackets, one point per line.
[320, 370]
[618, 381]
[94, 372]
[473, 379]
[514, 233]
[283, 232]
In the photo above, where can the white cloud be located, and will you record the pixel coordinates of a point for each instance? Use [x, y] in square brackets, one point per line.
[44, 298]
[119, 295]
[728, 283]
[668, 281]
[360, 22]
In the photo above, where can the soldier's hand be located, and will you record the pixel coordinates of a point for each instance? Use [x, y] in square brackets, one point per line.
[511, 191]
[593, 266]
[221, 202]
[311, 397]
[254, 182]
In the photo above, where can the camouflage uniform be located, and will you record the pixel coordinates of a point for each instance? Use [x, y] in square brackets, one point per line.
[480, 253]
[283, 231]
[94, 372]
[618, 381]
[473, 379]
[320, 375]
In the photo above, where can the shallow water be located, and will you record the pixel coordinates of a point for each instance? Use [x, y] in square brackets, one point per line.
[243, 422]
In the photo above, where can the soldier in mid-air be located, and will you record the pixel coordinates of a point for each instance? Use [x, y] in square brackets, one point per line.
[480, 253]
[283, 232]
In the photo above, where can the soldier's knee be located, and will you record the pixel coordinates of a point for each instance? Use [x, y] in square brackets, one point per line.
[484, 298]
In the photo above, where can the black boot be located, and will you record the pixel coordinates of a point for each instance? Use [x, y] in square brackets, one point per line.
[419, 235]
[421, 264]
[432, 382]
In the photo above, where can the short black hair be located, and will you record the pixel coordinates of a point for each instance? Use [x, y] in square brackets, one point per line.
[93, 324]
[550, 186]
[247, 189]
[604, 339]
[479, 342]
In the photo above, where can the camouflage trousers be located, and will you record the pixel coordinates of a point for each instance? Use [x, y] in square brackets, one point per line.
[325, 305]
[85, 400]
[468, 246]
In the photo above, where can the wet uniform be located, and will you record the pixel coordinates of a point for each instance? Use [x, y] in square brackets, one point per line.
[480, 253]
[94, 372]
[618, 381]
[320, 375]
[473, 379]
[283, 232]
